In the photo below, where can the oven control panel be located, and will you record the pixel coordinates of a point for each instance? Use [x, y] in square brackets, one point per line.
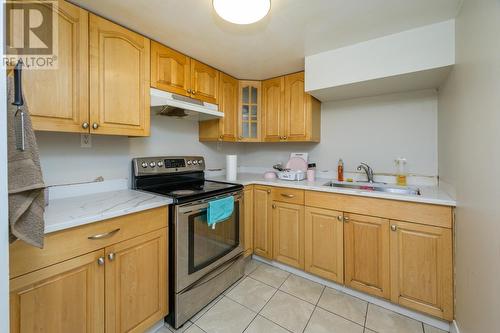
[143, 166]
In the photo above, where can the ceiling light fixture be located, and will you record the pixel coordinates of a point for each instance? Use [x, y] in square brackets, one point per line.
[242, 11]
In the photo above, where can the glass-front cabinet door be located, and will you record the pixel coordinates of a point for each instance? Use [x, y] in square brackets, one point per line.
[249, 113]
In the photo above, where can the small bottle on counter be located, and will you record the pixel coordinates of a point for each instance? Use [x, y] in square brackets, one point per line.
[401, 171]
[311, 172]
[340, 171]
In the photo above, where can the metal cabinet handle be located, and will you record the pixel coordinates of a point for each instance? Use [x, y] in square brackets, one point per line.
[95, 126]
[189, 91]
[85, 125]
[274, 206]
[339, 218]
[284, 138]
[346, 219]
[100, 261]
[193, 92]
[104, 235]
[268, 191]
[288, 195]
[111, 256]
[394, 227]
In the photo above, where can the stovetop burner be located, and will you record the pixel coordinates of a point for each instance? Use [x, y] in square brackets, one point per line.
[182, 192]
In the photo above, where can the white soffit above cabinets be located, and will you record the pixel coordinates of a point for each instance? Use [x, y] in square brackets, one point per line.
[277, 44]
[416, 59]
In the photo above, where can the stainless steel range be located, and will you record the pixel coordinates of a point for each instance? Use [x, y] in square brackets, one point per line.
[203, 261]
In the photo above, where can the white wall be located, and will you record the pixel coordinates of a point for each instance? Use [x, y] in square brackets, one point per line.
[171, 136]
[63, 161]
[4, 207]
[409, 51]
[375, 130]
[469, 157]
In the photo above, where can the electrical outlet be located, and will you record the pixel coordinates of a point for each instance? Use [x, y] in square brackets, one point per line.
[85, 140]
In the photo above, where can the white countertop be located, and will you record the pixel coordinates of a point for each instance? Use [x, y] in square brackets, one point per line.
[429, 194]
[72, 211]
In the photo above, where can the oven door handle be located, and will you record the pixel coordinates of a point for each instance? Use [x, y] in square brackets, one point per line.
[212, 275]
[237, 199]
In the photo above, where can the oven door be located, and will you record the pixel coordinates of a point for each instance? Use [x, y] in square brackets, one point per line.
[199, 248]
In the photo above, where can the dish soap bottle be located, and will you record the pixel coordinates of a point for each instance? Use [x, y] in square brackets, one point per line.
[401, 171]
[340, 171]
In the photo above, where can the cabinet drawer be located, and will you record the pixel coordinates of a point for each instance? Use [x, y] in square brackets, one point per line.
[436, 215]
[288, 195]
[70, 243]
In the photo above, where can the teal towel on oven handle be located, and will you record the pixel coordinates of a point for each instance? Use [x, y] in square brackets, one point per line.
[219, 210]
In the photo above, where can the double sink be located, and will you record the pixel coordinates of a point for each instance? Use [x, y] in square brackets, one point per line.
[377, 187]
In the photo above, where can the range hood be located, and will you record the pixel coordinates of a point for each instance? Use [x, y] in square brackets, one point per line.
[178, 106]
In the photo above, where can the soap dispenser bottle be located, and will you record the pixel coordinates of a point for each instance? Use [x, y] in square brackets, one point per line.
[340, 171]
[401, 173]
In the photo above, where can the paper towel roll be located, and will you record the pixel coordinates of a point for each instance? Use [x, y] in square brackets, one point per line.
[231, 167]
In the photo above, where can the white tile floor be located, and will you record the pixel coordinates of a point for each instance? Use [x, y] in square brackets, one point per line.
[270, 300]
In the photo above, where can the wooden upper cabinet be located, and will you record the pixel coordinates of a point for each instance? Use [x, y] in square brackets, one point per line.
[170, 70]
[136, 282]
[263, 226]
[204, 82]
[58, 98]
[119, 80]
[289, 114]
[421, 268]
[324, 243]
[249, 111]
[272, 107]
[366, 250]
[288, 233]
[302, 111]
[228, 103]
[65, 297]
[223, 129]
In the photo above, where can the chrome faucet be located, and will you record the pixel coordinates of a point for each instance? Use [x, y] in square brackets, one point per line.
[368, 170]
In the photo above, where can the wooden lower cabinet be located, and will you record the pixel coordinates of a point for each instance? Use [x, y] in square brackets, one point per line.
[288, 234]
[263, 227]
[248, 220]
[408, 263]
[324, 243]
[136, 275]
[421, 268]
[66, 297]
[120, 287]
[366, 246]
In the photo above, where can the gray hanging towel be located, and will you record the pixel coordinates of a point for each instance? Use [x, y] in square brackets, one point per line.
[26, 186]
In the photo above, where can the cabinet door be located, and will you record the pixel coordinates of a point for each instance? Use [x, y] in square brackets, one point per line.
[65, 297]
[223, 129]
[367, 254]
[58, 98]
[228, 103]
[421, 268]
[263, 227]
[204, 82]
[170, 70]
[272, 109]
[119, 80]
[249, 111]
[248, 220]
[297, 113]
[136, 282]
[324, 243]
[288, 234]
